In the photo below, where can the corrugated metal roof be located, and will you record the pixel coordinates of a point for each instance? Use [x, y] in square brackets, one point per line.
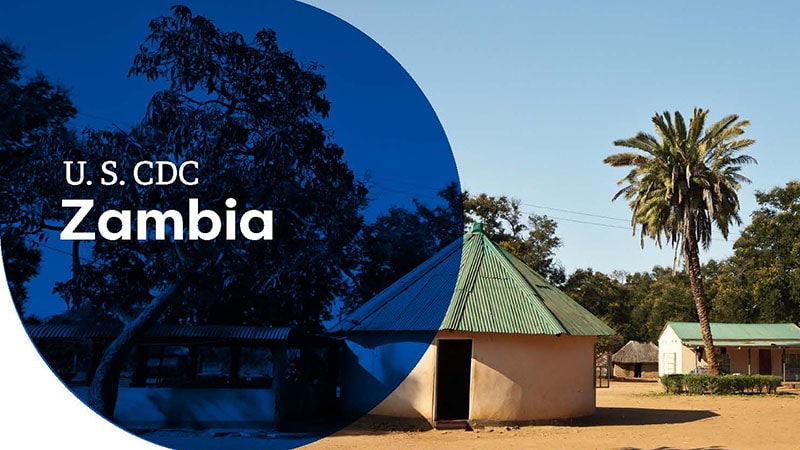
[575, 319]
[473, 285]
[71, 331]
[739, 334]
[197, 332]
[742, 343]
[417, 301]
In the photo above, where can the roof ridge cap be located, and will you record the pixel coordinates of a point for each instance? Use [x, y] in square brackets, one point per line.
[457, 306]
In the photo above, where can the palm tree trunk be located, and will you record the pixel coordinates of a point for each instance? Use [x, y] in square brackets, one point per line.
[105, 382]
[691, 252]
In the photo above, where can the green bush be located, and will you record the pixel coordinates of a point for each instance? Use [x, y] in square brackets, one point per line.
[723, 384]
[673, 384]
[697, 384]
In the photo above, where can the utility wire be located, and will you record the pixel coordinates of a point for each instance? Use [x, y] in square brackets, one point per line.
[59, 250]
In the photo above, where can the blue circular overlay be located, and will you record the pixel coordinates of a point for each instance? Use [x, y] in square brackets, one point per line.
[206, 210]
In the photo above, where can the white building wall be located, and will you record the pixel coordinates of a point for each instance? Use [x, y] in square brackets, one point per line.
[670, 353]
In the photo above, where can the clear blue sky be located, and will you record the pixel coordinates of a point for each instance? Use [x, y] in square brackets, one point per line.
[533, 93]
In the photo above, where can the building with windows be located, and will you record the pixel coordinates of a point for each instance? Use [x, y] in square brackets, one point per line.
[746, 348]
[202, 376]
[496, 343]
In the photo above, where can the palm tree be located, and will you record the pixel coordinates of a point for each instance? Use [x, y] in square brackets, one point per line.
[681, 183]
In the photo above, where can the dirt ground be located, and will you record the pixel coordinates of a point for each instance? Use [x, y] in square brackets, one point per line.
[629, 416]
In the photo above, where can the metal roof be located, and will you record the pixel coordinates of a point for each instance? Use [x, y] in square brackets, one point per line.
[473, 285]
[739, 334]
[164, 332]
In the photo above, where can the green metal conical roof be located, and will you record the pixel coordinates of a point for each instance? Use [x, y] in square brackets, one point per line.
[494, 293]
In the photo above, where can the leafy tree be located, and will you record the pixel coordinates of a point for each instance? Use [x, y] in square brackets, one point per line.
[33, 117]
[400, 240]
[606, 298]
[638, 286]
[503, 222]
[762, 278]
[732, 301]
[669, 298]
[681, 184]
[250, 115]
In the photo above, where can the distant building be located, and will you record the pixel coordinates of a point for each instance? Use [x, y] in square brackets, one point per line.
[636, 360]
[746, 348]
[506, 345]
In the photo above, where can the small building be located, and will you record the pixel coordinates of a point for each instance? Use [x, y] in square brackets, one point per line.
[746, 348]
[636, 360]
[493, 342]
[202, 376]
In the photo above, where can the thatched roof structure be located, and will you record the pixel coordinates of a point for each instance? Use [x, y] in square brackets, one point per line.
[636, 352]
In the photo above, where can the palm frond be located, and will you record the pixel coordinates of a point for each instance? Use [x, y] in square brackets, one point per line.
[684, 175]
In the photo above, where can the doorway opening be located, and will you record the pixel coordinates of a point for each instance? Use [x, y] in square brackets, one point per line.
[453, 374]
[765, 362]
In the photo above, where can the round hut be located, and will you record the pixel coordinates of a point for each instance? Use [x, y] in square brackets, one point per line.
[498, 343]
[636, 360]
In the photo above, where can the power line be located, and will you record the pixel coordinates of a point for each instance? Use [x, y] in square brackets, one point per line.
[59, 250]
[550, 208]
[590, 223]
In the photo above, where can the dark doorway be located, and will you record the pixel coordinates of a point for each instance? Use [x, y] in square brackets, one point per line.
[765, 362]
[453, 373]
[637, 370]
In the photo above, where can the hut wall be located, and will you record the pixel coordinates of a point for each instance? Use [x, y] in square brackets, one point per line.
[521, 378]
[376, 364]
[515, 378]
[650, 370]
[628, 370]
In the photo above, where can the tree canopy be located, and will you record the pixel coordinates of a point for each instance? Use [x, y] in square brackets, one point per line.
[401, 239]
[33, 117]
[532, 239]
[248, 115]
[761, 281]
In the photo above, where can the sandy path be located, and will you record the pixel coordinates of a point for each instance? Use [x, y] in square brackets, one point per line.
[629, 416]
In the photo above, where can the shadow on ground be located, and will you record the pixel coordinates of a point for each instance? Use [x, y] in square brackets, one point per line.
[641, 416]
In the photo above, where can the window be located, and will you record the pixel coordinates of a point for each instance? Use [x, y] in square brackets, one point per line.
[200, 366]
[668, 362]
[724, 361]
[793, 367]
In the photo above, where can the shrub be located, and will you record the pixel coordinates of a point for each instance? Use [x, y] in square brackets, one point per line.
[721, 384]
[697, 384]
[673, 384]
